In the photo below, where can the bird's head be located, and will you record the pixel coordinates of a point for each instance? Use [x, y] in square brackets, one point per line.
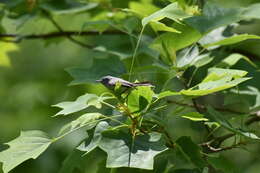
[105, 79]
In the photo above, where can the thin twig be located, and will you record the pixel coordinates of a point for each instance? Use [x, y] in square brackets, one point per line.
[214, 150]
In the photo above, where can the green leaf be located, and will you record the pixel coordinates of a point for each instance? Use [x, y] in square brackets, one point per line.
[152, 73]
[171, 11]
[252, 11]
[5, 49]
[138, 8]
[30, 144]
[218, 117]
[217, 80]
[206, 88]
[221, 164]
[139, 99]
[18, 8]
[191, 151]
[61, 8]
[248, 134]
[187, 56]
[214, 36]
[88, 120]
[217, 73]
[123, 152]
[214, 16]
[233, 59]
[232, 40]
[177, 41]
[202, 60]
[173, 42]
[158, 26]
[166, 94]
[93, 142]
[194, 116]
[237, 102]
[101, 67]
[190, 7]
[81, 103]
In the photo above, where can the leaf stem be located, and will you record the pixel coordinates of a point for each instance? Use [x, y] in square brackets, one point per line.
[69, 132]
[135, 53]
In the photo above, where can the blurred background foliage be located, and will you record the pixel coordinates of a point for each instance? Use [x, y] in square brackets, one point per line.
[33, 76]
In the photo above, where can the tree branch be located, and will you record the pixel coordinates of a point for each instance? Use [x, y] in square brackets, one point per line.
[202, 107]
[214, 144]
[254, 118]
[214, 150]
[68, 36]
[19, 37]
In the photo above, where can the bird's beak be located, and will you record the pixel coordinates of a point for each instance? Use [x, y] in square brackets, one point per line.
[98, 80]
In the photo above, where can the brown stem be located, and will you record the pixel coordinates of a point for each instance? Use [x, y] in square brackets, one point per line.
[254, 118]
[214, 150]
[18, 37]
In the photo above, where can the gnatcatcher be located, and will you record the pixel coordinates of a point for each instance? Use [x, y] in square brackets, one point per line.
[110, 82]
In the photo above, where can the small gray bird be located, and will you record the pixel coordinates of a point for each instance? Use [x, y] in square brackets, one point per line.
[110, 82]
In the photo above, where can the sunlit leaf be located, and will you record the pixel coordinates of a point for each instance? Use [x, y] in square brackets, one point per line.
[202, 60]
[217, 73]
[233, 59]
[187, 56]
[166, 94]
[30, 144]
[123, 152]
[139, 99]
[92, 142]
[158, 26]
[81, 103]
[190, 7]
[214, 36]
[217, 80]
[138, 7]
[88, 120]
[6, 48]
[194, 116]
[232, 40]
[252, 11]
[171, 11]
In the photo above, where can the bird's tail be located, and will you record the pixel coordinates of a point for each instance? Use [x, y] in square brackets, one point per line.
[143, 84]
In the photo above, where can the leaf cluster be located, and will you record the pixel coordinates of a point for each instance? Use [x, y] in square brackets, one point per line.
[185, 48]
